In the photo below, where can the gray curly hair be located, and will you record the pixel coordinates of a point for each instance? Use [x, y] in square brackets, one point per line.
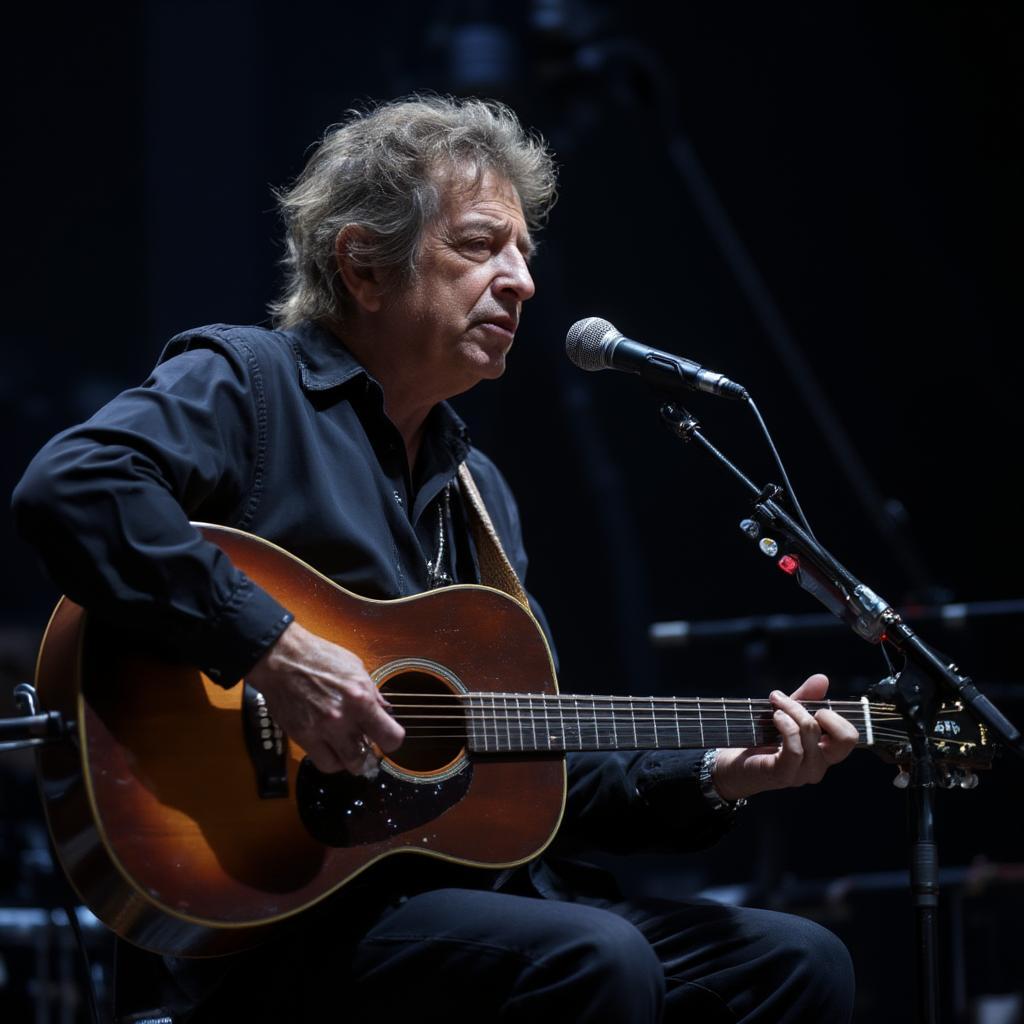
[383, 171]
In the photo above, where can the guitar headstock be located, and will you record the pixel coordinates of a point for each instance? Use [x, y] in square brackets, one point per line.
[960, 747]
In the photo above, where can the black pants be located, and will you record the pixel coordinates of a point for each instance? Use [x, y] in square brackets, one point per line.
[459, 954]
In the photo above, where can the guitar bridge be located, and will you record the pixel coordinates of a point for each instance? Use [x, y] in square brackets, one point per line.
[266, 745]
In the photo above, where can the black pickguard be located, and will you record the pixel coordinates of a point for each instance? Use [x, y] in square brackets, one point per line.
[350, 810]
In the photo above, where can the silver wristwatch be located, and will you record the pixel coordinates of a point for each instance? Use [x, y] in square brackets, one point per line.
[705, 781]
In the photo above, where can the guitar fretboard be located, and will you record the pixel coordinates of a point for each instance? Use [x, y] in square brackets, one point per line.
[522, 722]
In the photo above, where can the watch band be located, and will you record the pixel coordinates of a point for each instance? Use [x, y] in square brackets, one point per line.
[705, 780]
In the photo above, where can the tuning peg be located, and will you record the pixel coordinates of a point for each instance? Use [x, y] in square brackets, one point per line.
[902, 779]
[969, 780]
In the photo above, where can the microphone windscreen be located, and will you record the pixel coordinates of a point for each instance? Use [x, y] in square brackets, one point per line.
[587, 342]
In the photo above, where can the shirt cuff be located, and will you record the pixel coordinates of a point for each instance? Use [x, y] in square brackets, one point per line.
[667, 782]
[246, 628]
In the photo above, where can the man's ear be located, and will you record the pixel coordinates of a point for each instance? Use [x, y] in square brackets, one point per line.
[364, 284]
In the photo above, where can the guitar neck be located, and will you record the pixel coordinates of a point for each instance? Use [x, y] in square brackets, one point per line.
[511, 722]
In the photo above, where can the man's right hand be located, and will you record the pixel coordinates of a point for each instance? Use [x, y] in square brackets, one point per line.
[322, 697]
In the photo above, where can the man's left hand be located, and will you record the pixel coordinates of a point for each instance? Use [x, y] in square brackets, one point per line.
[810, 745]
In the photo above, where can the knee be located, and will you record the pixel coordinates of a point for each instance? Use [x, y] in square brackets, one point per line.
[814, 971]
[614, 946]
[615, 974]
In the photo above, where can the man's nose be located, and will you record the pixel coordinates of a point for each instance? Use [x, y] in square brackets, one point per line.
[515, 276]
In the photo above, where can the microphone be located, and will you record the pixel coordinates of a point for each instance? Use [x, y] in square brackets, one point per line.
[595, 344]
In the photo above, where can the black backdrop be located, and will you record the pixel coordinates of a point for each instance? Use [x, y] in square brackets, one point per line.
[867, 160]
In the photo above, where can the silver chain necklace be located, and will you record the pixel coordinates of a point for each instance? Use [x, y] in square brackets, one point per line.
[436, 576]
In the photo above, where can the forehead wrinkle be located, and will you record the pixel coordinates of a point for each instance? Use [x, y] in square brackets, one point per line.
[462, 186]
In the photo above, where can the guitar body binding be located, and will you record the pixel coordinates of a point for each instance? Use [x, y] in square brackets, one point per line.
[157, 814]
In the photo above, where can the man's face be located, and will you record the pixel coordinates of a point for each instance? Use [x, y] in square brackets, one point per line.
[458, 315]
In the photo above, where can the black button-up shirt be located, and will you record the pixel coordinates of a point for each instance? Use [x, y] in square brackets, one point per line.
[280, 433]
[283, 434]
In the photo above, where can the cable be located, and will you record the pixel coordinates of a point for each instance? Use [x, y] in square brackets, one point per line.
[76, 927]
[782, 469]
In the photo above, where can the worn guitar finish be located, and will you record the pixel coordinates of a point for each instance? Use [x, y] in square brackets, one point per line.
[184, 835]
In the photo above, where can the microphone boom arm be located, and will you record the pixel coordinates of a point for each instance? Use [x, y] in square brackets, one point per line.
[815, 569]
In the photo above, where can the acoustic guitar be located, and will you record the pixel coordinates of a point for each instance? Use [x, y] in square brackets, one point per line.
[190, 826]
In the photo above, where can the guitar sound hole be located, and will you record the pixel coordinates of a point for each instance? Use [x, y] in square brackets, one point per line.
[432, 714]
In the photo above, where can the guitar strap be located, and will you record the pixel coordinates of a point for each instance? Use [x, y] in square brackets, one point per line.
[495, 568]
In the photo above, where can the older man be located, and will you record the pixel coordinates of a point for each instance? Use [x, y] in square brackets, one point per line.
[409, 243]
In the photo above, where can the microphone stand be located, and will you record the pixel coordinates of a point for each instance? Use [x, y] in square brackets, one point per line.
[917, 690]
[32, 727]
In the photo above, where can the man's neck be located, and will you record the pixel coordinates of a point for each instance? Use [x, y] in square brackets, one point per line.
[406, 402]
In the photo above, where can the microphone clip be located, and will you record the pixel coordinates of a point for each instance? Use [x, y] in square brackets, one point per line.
[679, 420]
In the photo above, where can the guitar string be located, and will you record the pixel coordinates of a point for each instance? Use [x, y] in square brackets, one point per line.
[710, 740]
[430, 733]
[704, 701]
[664, 740]
[667, 738]
[599, 714]
[591, 720]
[667, 741]
[615, 720]
[660, 726]
[642, 705]
[666, 727]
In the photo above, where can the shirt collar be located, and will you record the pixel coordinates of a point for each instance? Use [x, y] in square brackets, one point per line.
[325, 363]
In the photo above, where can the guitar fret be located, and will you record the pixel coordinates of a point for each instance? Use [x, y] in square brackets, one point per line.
[753, 727]
[654, 722]
[471, 726]
[675, 715]
[700, 722]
